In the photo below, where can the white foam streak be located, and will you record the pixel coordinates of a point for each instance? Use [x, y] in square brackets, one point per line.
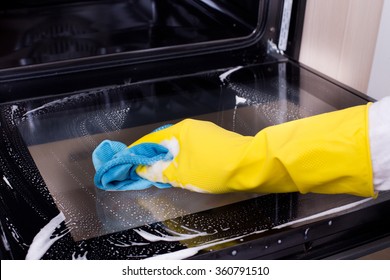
[325, 213]
[226, 74]
[186, 253]
[43, 241]
[163, 237]
[7, 182]
[55, 102]
[126, 245]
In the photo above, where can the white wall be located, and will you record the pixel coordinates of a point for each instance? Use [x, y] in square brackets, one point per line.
[379, 82]
[339, 39]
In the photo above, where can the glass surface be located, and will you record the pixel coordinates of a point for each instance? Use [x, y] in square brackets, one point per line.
[62, 133]
[47, 31]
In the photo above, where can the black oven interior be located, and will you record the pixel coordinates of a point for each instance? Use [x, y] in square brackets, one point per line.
[50, 31]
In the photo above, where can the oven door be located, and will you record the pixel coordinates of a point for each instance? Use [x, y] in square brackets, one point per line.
[54, 112]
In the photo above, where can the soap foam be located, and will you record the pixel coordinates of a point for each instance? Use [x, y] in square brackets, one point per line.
[79, 256]
[224, 75]
[188, 252]
[325, 213]
[7, 182]
[188, 187]
[154, 172]
[168, 238]
[44, 239]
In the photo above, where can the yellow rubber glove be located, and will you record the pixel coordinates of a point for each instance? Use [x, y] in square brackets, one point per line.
[327, 153]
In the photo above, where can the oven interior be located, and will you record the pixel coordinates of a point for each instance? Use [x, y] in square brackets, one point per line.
[75, 73]
[49, 31]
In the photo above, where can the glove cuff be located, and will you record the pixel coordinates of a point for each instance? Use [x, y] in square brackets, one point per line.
[379, 132]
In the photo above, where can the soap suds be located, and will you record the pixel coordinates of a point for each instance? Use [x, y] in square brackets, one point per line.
[7, 182]
[240, 100]
[163, 237]
[325, 213]
[186, 253]
[4, 239]
[154, 172]
[44, 239]
[224, 75]
[79, 256]
[122, 244]
[56, 102]
[188, 187]
[172, 145]
[14, 108]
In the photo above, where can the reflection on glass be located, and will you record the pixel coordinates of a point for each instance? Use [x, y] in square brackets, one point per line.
[78, 29]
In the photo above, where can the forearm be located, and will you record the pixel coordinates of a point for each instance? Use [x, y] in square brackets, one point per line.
[328, 153]
[345, 151]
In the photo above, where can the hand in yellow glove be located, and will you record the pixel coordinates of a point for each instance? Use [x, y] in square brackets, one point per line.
[328, 153]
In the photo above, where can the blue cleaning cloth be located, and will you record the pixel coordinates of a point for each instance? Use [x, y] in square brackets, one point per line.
[115, 165]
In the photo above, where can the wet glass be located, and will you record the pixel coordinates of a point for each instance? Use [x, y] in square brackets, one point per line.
[62, 132]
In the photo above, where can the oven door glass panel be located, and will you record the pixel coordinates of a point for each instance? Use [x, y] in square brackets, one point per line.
[51, 31]
[61, 134]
